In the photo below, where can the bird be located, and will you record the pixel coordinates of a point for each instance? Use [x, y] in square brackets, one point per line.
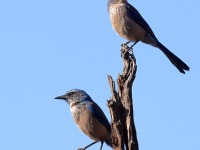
[130, 25]
[88, 116]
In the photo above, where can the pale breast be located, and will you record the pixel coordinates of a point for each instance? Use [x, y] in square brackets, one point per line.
[76, 112]
[125, 26]
[115, 17]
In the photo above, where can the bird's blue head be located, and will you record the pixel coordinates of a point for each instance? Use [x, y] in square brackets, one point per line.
[74, 96]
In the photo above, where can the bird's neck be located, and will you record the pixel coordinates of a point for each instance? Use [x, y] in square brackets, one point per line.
[72, 104]
[117, 1]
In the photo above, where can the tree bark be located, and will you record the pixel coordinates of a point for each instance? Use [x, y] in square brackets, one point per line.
[121, 104]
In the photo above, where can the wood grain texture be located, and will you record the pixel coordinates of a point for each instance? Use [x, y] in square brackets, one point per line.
[124, 136]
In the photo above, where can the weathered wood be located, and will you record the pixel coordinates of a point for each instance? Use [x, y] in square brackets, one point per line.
[124, 134]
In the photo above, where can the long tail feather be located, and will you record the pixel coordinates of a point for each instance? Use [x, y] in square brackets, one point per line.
[179, 64]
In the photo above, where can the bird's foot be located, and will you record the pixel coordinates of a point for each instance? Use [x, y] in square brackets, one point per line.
[125, 45]
[131, 47]
[125, 50]
[128, 48]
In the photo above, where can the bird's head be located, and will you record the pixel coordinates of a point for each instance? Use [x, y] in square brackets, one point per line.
[74, 96]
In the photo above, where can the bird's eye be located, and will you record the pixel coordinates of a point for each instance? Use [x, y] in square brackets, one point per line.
[71, 93]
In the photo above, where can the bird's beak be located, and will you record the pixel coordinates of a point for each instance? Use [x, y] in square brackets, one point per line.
[60, 97]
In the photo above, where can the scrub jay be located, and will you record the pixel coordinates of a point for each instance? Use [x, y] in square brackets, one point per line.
[129, 24]
[88, 116]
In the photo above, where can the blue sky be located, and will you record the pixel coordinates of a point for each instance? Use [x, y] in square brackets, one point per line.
[49, 47]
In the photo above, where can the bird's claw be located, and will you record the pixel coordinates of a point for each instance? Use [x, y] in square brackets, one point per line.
[125, 44]
[125, 49]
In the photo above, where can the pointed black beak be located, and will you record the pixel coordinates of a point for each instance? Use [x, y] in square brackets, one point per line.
[60, 97]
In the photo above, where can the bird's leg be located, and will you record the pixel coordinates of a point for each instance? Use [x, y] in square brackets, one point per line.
[125, 44]
[127, 48]
[130, 49]
[87, 146]
[101, 145]
[134, 44]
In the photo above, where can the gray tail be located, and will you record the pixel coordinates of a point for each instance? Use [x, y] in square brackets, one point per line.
[179, 64]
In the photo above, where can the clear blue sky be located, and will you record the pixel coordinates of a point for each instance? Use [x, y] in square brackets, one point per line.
[51, 46]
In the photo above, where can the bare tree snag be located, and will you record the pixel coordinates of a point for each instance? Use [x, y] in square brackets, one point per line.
[121, 104]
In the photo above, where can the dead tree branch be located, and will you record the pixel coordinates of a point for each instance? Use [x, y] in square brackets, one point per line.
[121, 104]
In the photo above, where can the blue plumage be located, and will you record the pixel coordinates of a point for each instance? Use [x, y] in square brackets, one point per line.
[88, 116]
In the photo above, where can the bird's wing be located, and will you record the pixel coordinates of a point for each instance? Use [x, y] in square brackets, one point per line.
[99, 114]
[135, 15]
